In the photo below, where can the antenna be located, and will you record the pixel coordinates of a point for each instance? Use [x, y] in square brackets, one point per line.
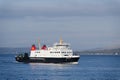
[39, 43]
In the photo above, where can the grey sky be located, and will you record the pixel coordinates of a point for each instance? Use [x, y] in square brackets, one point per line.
[86, 24]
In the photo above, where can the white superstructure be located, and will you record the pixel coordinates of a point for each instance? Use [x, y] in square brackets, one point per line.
[60, 49]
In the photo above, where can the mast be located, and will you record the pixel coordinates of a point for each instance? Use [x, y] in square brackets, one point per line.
[39, 44]
[61, 41]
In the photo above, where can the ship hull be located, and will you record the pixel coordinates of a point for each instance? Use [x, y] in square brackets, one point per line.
[48, 59]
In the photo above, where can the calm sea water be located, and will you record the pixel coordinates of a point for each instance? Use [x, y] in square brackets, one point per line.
[88, 68]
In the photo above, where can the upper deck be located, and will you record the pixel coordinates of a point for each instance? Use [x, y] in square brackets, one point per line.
[62, 44]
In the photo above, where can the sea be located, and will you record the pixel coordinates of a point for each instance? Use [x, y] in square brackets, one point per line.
[89, 67]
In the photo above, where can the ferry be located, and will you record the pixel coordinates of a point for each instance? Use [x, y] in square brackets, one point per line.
[58, 53]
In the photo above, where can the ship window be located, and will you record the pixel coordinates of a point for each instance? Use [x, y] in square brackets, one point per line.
[37, 52]
[65, 55]
[56, 52]
[51, 52]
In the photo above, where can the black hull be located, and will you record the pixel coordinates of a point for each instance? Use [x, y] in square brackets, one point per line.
[47, 60]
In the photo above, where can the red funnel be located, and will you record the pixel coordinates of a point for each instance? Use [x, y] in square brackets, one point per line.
[33, 47]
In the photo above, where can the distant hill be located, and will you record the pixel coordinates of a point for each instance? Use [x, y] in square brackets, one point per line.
[115, 51]
[5, 50]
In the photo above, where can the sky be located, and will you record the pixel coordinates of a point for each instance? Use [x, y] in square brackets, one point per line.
[85, 24]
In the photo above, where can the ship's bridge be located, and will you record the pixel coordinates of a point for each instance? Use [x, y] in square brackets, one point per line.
[63, 45]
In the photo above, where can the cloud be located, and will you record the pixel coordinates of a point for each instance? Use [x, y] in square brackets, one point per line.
[60, 8]
[83, 22]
